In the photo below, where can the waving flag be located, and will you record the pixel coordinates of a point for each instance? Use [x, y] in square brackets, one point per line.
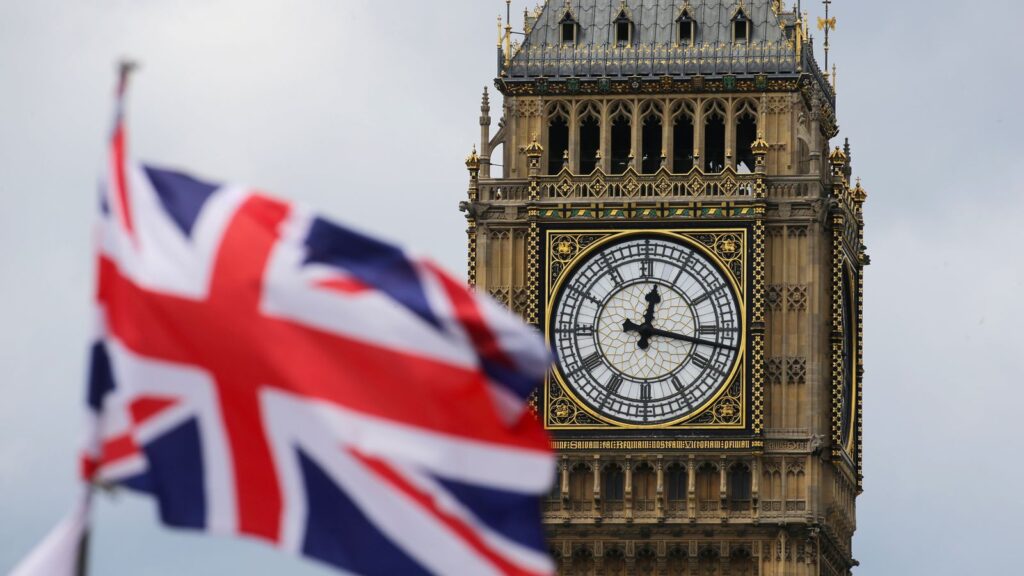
[262, 371]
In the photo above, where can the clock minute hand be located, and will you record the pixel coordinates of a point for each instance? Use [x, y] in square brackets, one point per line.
[675, 336]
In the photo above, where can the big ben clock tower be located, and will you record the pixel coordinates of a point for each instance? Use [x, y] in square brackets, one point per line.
[672, 216]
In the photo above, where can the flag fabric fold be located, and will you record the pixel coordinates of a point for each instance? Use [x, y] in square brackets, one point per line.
[60, 553]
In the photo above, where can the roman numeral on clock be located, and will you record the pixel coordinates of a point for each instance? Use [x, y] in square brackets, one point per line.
[647, 265]
[592, 361]
[616, 275]
[580, 293]
[707, 296]
[614, 384]
[577, 330]
[645, 391]
[683, 391]
[701, 361]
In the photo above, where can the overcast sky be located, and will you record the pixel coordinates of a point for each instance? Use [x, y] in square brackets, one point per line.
[366, 109]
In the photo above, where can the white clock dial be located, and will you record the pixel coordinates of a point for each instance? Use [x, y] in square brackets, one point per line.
[646, 330]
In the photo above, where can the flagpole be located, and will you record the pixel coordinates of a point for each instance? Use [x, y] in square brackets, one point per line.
[82, 560]
[125, 68]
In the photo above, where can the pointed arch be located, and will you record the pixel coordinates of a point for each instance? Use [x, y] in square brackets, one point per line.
[582, 562]
[623, 27]
[613, 485]
[614, 562]
[682, 116]
[708, 561]
[620, 117]
[569, 27]
[645, 488]
[676, 561]
[739, 487]
[714, 136]
[557, 138]
[741, 25]
[646, 561]
[708, 487]
[581, 487]
[588, 116]
[676, 486]
[651, 136]
[741, 562]
[746, 127]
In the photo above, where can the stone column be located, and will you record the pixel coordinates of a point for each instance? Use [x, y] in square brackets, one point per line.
[485, 136]
[574, 139]
[627, 503]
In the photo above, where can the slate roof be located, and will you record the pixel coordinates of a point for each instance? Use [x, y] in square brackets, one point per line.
[654, 50]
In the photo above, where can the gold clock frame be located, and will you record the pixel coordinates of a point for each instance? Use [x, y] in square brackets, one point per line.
[729, 249]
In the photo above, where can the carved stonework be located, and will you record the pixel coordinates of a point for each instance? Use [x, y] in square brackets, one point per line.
[796, 298]
[796, 370]
[766, 216]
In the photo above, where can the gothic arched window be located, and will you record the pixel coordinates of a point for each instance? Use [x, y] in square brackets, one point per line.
[651, 137]
[612, 483]
[645, 488]
[708, 561]
[614, 562]
[746, 133]
[581, 488]
[589, 138]
[675, 481]
[676, 562]
[558, 138]
[646, 561]
[707, 488]
[682, 139]
[714, 138]
[582, 562]
[739, 487]
[740, 27]
[623, 29]
[569, 28]
[741, 563]
[622, 137]
[686, 29]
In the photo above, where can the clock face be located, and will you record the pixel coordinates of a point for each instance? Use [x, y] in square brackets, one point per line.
[646, 331]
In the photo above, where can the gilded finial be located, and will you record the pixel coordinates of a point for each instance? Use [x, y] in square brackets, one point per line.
[473, 160]
[759, 146]
[858, 193]
[837, 156]
[533, 149]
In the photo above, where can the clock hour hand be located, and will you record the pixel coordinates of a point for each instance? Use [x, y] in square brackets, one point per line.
[691, 339]
[643, 330]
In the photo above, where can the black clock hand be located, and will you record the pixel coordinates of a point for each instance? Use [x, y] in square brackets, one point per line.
[691, 339]
[646, 331]
[643, 330]
[653, 298]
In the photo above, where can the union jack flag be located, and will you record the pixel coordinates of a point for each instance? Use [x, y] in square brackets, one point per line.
[262, 371]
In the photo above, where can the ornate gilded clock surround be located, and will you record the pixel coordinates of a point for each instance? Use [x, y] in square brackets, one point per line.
[729, 248]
